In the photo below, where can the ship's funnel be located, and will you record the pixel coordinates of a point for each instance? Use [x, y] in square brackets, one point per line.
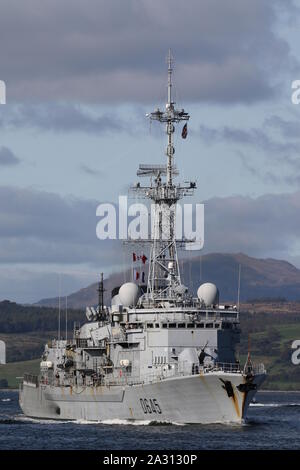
[208, 294]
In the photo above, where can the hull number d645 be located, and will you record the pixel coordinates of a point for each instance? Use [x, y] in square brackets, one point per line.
[150, 405]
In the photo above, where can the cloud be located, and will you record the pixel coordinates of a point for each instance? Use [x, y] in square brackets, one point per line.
[7, 157]
[40, 227]
[254, 137]
[60, 117]
[265, 226]
[43, 233]
[288, 128]
[115, 51]
[280, 154]
[90, 171]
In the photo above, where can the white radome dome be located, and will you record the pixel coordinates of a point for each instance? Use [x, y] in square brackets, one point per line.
[129, 294]
[116, 300]
[208, 294]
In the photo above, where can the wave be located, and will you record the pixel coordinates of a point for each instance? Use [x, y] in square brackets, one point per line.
[6, 399]
[27, 419]
[274, 405]
[111, 422]
[129, 422]
[8, 421]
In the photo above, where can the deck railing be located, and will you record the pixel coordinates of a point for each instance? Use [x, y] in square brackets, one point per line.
[165, 372]
[123, 377]
[32, 379]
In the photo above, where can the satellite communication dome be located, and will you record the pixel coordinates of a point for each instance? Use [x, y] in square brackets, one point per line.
[116, 300]
[208, 294]
[129, 294]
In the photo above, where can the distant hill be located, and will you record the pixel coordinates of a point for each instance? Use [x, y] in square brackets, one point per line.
[260, 278]
[26, 328]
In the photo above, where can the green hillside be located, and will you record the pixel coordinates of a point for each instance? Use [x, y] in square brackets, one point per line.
[26, 329]
[12, 370]
[271, 336]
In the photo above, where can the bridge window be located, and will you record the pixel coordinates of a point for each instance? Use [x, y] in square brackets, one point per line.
[209, 325]
[181, 325]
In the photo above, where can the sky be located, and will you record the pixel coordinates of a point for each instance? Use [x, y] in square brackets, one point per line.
[80, 77]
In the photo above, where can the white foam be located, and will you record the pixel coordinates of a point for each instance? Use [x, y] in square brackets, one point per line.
[6, 399]
[127, 422]
[40, 421]
[119, 422]
[274, 405]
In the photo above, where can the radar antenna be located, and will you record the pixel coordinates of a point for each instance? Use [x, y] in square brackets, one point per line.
[164, 273]
[101, 290]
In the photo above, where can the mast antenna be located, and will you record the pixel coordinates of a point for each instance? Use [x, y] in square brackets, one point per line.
[170, 70]
[101, 298]
[164, 279]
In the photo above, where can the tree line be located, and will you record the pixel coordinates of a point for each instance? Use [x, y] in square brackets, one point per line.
[15, 318]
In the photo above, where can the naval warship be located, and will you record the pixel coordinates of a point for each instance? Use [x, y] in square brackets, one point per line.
[155, 354]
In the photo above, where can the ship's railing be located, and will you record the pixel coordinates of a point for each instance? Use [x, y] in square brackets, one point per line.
[165, 372]
[254, 369]
[32, 379]
[123, 377]
[233, 368]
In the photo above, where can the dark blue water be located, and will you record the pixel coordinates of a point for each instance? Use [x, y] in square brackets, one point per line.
[273, 423]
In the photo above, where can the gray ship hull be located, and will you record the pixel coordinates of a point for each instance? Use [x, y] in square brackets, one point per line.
[202, 398]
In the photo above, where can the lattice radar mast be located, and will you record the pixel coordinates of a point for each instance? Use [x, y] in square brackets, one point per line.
[164, 282]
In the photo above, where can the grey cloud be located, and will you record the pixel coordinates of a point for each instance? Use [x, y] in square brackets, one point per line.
[90, 171]
[282, 156]
[49, 232]
[108, 51]
[60, 117]
[265, 226]
[7, 157]
[288, 128]
[254, 137]
[40, 227]
[291, 179]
